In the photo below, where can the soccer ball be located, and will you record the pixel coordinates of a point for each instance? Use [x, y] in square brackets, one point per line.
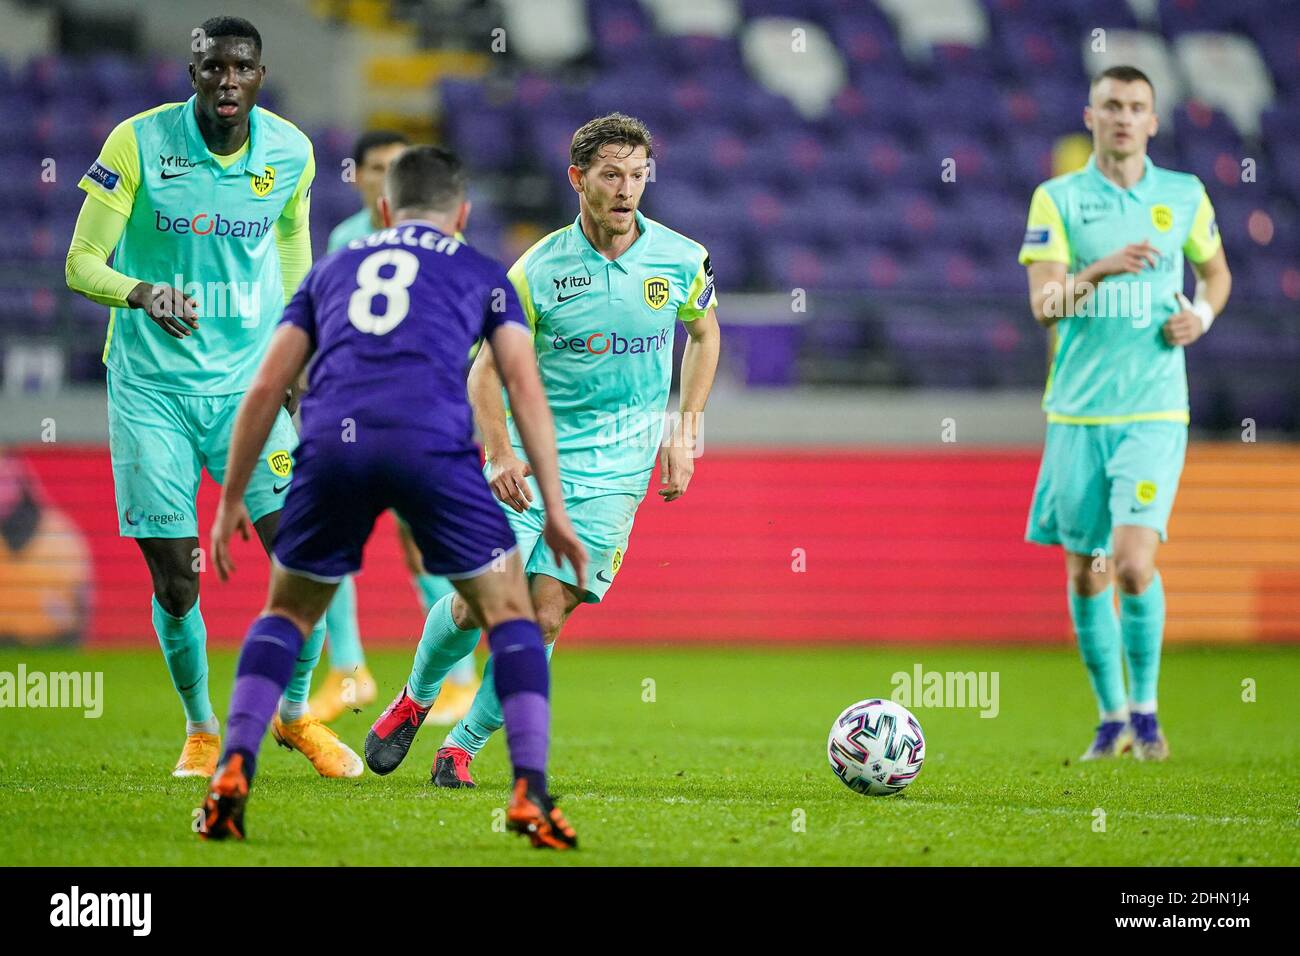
[876, 747]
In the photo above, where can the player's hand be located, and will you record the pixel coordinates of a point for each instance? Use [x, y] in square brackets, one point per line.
[676, 466]
[171, 309]
[228, 521]
[563, 541]
[508, 481]
[1132, 258]
[1184, 326]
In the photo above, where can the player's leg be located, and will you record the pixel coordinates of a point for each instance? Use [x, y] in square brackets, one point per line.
[156, 470]
[1142, 624]
[553, 601]
[461, 682]
[1146, 467]
[268, 489]
[182, 635]
[294, 726]
[500, 601]
[604, 523]
[267, 662]
[348, 685]
[1096, 629]
[1070, 509]
[450, 634]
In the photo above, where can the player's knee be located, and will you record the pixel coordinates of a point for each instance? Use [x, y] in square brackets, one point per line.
[550, 618]
[1133, 573]
[176, 593]
[1086, 582]
[461, 615]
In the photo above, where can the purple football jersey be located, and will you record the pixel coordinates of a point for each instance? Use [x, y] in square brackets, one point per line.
[392, 318]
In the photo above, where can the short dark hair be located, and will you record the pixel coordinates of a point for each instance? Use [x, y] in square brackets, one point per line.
[373, 139]
[425, 177]
[1125, 74]
[214, 27]
[617, 128]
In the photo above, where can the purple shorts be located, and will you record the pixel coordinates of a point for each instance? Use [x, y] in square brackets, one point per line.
[340, 488]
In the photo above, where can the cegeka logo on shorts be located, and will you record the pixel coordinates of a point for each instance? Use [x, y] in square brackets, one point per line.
[74, 908]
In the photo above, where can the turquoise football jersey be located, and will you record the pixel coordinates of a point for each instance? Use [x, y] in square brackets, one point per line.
[207, 226]
[1111, 362]
[603, 331]
[356, 226]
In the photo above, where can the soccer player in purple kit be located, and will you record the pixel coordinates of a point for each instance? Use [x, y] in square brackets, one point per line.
[387, 325]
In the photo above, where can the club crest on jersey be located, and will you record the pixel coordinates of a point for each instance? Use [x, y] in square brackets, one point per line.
[655, 290]
[263, 184]
[280, 462]
[1162, 217]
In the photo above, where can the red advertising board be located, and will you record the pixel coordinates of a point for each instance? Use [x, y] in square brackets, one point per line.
[767, 546]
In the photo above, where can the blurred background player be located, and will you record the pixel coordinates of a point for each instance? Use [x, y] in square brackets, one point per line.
[1104, 249]
[208, 197]
[603, 296]
[393, 315]
[349, 683]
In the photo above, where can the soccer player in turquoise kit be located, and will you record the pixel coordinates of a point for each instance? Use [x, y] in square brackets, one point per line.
[349, 683]
[603, 296]
[204, 207]
[1104, 249]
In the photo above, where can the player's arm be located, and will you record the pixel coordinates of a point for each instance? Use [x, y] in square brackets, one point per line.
[110, 186]
[698, 312]
[516, 365]
[1204, 250]
[699, 365]
[1055, 293]
[293, 244]
[291, 347]
[508, 474]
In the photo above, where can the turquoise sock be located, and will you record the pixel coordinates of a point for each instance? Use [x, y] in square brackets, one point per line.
[464, 671]
[1097, 628]
[1142, 620]
[431, 588]
[484, 717]
[300, 683]
[341, 627]
[184, 645]
[442, 645]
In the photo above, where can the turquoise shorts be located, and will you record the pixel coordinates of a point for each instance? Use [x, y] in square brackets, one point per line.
[1094, 477]
[603, 521]
[160, 442]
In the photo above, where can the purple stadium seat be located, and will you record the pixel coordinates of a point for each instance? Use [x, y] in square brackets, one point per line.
[1196, 122]
[1028, 159]
[1034, 51]
[1049, 107]
[619, 28]
[1190, 16]
[867, 42]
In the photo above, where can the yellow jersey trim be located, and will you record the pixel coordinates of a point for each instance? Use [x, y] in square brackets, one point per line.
[1178, 415]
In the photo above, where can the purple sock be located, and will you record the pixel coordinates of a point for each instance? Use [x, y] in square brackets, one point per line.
[523, 687]
[265, 667]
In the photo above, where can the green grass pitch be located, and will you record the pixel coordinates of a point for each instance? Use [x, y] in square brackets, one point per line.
[726, 766]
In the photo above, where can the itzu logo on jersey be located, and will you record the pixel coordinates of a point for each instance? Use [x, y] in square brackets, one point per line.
[212, 224]
[610, 343]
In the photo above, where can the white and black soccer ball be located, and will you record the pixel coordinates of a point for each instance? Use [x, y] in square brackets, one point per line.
[876, 747]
